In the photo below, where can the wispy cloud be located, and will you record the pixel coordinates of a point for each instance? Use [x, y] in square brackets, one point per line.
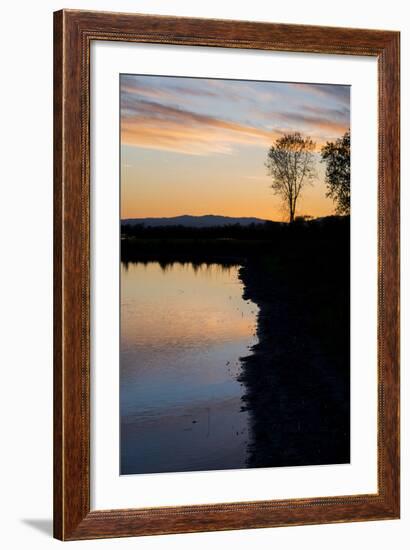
[317, 125]
[332, 91]
[174, 90]
[160, 126]
[201, 116]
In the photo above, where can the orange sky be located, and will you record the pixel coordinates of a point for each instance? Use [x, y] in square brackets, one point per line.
[198, 146]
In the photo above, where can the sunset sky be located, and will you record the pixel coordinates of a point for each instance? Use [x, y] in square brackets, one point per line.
[198, 146]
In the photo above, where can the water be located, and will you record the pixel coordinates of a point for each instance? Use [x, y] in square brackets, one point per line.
[183, 331]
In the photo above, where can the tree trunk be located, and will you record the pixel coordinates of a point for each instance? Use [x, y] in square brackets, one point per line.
[291, 210]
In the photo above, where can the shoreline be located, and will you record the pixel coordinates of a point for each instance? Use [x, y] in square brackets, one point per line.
[297, 387]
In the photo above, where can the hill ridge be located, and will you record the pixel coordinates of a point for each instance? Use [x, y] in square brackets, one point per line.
[206, 220]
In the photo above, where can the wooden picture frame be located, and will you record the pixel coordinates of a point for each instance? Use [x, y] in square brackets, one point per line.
[74, 32]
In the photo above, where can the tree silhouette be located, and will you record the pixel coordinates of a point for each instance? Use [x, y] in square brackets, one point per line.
[337, 157]
[290, 163]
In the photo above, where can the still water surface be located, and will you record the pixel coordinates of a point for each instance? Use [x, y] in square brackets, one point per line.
[183, 331]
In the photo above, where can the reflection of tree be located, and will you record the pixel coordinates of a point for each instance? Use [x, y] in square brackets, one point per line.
[337, 157]
[197, 266]
[290, 163]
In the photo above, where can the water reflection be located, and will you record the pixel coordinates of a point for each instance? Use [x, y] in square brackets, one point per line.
[184, 327]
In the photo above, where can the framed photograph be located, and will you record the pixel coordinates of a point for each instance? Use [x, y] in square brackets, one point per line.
[226, 275]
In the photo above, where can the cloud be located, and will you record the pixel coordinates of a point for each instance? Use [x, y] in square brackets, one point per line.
[318, 124]
[159, 126]
[160, 113]
[203, 92]
[338, 92]
[143, 91]
[342, 114]
[138, 87]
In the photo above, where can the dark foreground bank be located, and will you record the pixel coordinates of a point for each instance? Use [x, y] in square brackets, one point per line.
[297, 377]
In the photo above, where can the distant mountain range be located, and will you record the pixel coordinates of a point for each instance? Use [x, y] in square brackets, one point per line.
[192, 221]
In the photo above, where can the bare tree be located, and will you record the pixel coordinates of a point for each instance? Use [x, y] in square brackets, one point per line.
[290, 163]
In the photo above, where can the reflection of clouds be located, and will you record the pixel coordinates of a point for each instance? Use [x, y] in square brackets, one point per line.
[183, 307]
[198, 328]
